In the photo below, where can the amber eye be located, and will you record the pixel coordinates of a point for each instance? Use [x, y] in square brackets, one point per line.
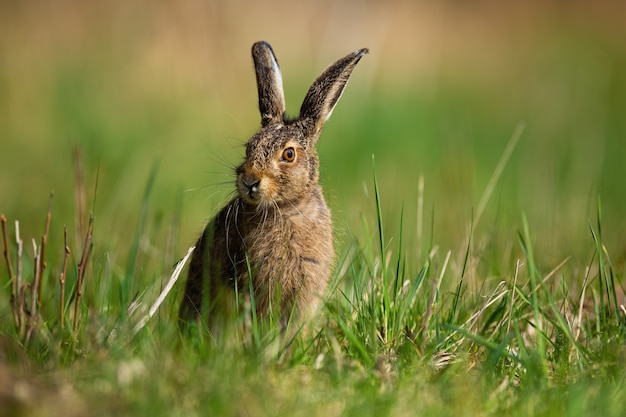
[289, 155]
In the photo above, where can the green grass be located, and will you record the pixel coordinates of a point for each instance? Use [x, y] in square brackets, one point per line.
[492, 334]
[478, 219]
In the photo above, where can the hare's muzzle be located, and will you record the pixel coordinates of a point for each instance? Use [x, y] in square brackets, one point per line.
[250, 187]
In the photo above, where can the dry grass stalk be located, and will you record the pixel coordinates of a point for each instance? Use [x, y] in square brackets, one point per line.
[20, 300]
[578, 320]
[499, 292]
[79, 193]
[81, 272]
[518, 264]
[35, 284]
[165, 292]
[7, 258]
[42, 254]
[63, 275]
[17, 292]
[3, 219]
[32, 313]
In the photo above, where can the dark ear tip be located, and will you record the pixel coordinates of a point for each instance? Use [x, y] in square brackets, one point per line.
[356, 56]
[260, 46]
[360, 52]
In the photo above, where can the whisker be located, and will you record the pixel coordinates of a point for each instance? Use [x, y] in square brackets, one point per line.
[278, 217]
[209, 186]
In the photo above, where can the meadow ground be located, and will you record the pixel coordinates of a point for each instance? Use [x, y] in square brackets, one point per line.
[474, 166]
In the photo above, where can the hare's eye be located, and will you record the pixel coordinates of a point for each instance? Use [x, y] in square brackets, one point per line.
[289, 155]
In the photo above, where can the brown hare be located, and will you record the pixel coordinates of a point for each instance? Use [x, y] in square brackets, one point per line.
[273, 242]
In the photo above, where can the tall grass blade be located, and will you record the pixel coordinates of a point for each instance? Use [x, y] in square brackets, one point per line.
[168, 287]
[603, 259]
[525, 242]
[405, 304]
[504, 159]
[381, 237]
[127, 284]
[398, 277]
[420, 216]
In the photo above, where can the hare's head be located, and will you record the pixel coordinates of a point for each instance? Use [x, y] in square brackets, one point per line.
[281, 163]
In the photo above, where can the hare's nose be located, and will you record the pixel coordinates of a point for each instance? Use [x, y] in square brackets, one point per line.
[252, 185]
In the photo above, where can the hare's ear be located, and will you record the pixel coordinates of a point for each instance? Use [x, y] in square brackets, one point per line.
[269, 83]
[325, 92]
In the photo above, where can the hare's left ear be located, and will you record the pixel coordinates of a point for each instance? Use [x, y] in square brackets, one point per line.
[325, 92]
[269, 82]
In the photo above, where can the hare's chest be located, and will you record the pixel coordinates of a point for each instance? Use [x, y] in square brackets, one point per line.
[280, 249]
[273, 245]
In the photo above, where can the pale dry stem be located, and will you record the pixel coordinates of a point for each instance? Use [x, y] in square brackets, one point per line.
[81, 272]
[63, 275]
[7, 258]
[42, 254]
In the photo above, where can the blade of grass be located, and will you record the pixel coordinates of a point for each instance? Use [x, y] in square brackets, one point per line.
[406, 304]
[398, 277]
[168, 287]
[420, 216]
[126, 287]
[499, 349]
[434, 297]
[607, 276]
[579, 319]
[381, 238]
[504, 159]
[496, 295]
[355, 344]
[525, 242]
[459, 287]
[256, 334]
[513, 291]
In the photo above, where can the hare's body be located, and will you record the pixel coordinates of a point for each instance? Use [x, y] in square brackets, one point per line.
[290, 261]
[274, 240]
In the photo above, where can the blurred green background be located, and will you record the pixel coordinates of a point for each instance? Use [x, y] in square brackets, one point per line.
[138, 83]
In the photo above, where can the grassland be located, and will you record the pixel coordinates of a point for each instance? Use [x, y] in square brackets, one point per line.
[475, 178]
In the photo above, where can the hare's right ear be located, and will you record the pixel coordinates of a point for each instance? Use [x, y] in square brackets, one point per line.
[269, 83]
[326, 91]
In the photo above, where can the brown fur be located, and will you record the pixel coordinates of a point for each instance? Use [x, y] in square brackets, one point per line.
[275, 237]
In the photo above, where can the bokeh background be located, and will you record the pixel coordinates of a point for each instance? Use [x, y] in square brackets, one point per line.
[139, 84]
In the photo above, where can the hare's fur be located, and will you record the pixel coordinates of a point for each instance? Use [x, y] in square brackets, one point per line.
[273, 241]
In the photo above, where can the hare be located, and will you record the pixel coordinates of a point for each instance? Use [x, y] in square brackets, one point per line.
[273, 242]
